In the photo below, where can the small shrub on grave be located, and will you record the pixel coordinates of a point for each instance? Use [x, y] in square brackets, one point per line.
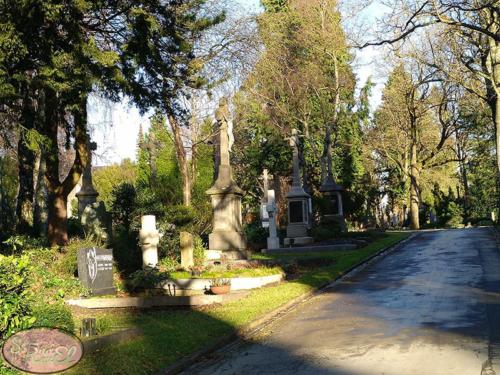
[15, 311]
[104, 324]
[256, 235]
[126, 250]
[326, 231]
[198, 251]
[56, 315]
[147, 278]
[169, 263]
[67, 263]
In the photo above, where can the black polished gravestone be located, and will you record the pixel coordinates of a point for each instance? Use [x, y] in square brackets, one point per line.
[95, 270]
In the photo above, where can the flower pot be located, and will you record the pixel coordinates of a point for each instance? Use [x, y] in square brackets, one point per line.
[221, 289]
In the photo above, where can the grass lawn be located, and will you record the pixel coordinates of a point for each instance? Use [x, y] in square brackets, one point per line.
[172, 334]
[243, 272]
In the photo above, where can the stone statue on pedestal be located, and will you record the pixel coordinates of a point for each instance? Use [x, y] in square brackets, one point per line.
[227, 237]
[333, 192]
[87, 194]
[298, 202]
[93, 216]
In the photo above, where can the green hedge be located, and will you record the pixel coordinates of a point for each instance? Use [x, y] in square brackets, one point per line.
[15, 312]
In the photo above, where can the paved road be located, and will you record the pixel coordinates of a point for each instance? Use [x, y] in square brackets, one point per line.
[431, 308]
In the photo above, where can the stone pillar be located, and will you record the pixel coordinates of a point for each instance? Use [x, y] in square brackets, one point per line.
[87, 194]
[227, 237]
[298, 202]
[264, 216]
[187, 258]
[149, 238]
[273, 241]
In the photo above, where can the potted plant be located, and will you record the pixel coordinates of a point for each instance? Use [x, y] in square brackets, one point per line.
[220, 286]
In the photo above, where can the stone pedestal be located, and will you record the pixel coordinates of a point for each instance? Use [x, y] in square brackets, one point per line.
[187, 258]
[87, 194]
[298, 203]
[227, 238]
[227, 235]
[149, 238]
[335, 211]
[273, 241]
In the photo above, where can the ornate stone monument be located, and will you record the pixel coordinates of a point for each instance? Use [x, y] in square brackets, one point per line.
[149, 238]
[298, 202]
[333, 193]
[334, 210]
[227, 237]
[87, 194]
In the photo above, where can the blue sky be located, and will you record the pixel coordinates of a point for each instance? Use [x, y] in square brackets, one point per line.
[116, 125]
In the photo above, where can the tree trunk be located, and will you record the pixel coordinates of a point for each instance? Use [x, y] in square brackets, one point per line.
[496, 114]
[57, 230]
[414, 189]
[26, 157]
[180, 151]
[59, 190]
[40, 206]
[24, 208]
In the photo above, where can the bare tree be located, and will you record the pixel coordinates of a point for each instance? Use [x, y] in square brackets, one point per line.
[469, 36]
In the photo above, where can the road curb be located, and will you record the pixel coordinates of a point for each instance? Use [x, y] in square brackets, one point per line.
[250, 329]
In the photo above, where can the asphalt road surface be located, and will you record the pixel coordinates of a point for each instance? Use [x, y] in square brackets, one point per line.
[430, 308]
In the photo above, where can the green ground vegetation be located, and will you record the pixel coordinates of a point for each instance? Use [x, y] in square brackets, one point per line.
[224, 273]
[170, 334]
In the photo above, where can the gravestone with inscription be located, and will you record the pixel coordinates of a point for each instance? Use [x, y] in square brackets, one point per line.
[298, 202]
[95, 270]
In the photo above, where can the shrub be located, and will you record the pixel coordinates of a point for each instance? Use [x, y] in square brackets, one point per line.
[169, 264]
[15, 312]
[20, 243]
[147, 278]
[256, 235]
[56, 315]
[198, 251]
[123, 204]
[326, 231]
[67, 263]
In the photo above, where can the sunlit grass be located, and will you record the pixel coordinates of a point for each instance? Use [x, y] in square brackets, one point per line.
[170, 335]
